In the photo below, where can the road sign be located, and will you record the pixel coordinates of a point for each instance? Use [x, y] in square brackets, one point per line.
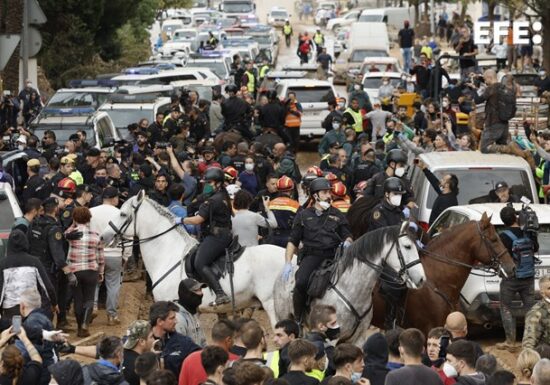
[35, 41]
[8, 43]
[36, 14]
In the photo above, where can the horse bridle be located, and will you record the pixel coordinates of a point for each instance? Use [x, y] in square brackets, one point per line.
[494, 262]
[404, 267]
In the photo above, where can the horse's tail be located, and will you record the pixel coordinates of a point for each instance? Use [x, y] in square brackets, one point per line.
[358, 215]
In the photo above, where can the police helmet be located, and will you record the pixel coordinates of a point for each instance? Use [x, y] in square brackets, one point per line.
[308, 178]
[396, 156]
[214, 174]
[319, 184]
[394, 185]
[231, 88]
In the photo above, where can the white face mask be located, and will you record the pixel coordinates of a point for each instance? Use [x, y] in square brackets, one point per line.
[449, 370]
[399, 172]
[356, 376]
[395, 199]
[324, 205]
[335, 125]
[249, 166]
[546, 299]
[20, 147]
[385, 83]
[357, 87]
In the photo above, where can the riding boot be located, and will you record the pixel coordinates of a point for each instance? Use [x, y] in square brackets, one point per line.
[210, 278]
[299, 302]
[390, 316]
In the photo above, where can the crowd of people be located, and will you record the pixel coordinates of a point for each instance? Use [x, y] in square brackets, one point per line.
[228, 167]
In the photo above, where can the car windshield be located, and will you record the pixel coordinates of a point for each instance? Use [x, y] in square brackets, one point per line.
[170, 28]
[475, 184]
[319, 94]
[360, 54]
[123, 117]
[205, 92]
[77, 99]
[233, 7]
[371, 18]
[262, 39]
[63, 134]
[279, 14]
[377, 82]
[6, 215]
[217, 67]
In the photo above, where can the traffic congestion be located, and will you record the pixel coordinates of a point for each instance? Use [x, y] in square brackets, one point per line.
[348, 188]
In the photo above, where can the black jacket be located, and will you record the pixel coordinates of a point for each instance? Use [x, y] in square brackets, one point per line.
[105, 375]
[272, 115]
[443, 201]
[376, 358]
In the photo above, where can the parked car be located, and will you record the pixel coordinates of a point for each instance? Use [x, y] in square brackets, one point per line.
[277, 16]
[9, 210]
[71, 100]
[480, 296]
[477, 175]
[344, 20]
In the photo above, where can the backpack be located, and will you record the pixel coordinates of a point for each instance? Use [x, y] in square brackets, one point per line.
[506, 103]
[523, 254]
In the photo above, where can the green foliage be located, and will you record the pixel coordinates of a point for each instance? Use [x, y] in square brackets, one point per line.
[166, 4]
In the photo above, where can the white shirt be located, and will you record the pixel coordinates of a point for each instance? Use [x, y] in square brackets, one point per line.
[245, 225]
[101, 215]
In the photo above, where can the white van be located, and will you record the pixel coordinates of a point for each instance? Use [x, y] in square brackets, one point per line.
[477, 175]
[390, 16]
[170, 26]
[164, 77]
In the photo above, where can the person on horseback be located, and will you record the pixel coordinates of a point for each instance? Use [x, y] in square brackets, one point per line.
[389, 213]
[215, 216]
[321, 228]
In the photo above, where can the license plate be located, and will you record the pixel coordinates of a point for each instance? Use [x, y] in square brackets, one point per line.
[540, 271]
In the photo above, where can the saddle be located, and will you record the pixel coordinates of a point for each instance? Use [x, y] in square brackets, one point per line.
[320, 280]
[219, 267]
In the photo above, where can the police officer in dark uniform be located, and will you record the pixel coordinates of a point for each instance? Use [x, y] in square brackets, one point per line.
[35, 186]
[321, 228]
[46, 242]
[236, 112]
[396, 160]
[389, 213]
[83, 195]
[215, 216]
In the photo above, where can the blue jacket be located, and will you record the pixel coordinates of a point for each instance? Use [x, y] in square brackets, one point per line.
[176, 348]
[180, 211]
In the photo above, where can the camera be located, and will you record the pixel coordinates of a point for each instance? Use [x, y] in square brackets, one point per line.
[527, 217]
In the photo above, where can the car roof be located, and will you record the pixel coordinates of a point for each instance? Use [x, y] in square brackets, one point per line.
[475, 211]
[393, 75]
[89, 90]
[179, 71]
[471, 159]
[70, 119]
[306, 82]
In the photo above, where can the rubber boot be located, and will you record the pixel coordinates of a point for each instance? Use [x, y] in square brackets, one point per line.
[509, 325]
[210, 277]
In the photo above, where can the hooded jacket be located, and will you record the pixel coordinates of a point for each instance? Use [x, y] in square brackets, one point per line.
[104, 373]
[22, 271]
[376, 357]
[472, 379]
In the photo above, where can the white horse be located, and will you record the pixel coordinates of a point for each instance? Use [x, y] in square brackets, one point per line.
[164, 245]
[355, 276]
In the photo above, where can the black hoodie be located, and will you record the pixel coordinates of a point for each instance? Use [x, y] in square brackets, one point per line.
[376, 357]
[23, 271]
[105, 375]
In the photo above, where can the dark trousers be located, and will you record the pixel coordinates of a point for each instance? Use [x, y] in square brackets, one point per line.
[307, 266]
[60, 284]
[293, 134]
[84, 293]
[508, 289]
[393, 293]
[494, 134]
[287, 40]
[212, 247]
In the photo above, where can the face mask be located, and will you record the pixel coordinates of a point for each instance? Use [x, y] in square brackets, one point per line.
[399, 172]
[357, 87]
[324, 205]
[356, 376]
[546, 299]
[395, 200]
[101, 181]
[445, 103]
[249, 166]
[542, 74]
[208, 189]
[333, 333]
[335, 125]
[449, 370]
[410, 87]
[20, 147]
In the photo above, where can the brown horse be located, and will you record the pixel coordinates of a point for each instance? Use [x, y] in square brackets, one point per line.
[226, 136]
[447, 261]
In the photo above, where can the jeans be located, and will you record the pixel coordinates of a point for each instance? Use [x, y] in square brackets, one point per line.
[494, 134]
[113, 279]
[508, 289]
[407, 55]
[83, 294]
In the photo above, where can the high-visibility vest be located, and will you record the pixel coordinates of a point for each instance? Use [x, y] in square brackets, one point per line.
[284, 204]
[251, 85]
[291, 119]
[287, 29]
[272, 362]
[318, 38]
[317, 374]
[263, 71]
[357, 118]
[341, 205]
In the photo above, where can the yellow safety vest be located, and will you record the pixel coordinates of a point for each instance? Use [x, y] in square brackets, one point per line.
[272, 362]
[287, 29]
[251, 85]
[263, 71]
[318, 38]
[357, 118]
[317, 374]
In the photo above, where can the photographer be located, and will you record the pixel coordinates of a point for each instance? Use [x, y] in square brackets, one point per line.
[521, 243]
[9, 109]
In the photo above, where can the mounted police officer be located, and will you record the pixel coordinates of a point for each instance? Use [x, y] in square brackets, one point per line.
[47, 243]
[389, 213]
[522, 245]
[215, 216]
[321, 228]
[396, 160]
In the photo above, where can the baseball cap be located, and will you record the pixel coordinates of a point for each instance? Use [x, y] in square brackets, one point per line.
[33, 162]
[66, 160]
[192, 284]
[137, 330]
[110, 192]
[500, 185]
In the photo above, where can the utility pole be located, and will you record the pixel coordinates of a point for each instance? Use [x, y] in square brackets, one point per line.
[432, 17]
[25, 40]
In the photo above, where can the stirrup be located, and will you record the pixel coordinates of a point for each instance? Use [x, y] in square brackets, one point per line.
[220, 300]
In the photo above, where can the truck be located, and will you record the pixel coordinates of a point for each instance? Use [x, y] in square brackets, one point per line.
[237, 8]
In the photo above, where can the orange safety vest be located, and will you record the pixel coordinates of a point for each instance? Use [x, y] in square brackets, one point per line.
[293, 120]
[284, 204]
[341, 205]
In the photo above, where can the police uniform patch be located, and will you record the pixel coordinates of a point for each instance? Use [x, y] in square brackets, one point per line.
[376, 215]
[58, 235]
[66, 214]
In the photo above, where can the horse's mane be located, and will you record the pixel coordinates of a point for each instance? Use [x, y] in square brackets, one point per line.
[368, 246]
[163, 211]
